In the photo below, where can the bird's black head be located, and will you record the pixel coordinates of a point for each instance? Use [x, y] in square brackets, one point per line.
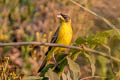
[63, 17]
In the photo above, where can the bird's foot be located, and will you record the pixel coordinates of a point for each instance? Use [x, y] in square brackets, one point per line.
[54, 60]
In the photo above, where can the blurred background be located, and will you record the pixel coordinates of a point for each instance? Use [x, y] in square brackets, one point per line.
[35, 20]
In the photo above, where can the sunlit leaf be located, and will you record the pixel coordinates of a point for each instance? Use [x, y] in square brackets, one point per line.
[32, 78]
[74, 67]
[92, 63]
[64, 77]
[68, 75]
[51, 75]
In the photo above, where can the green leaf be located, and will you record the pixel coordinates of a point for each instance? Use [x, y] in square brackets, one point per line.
[101, 38]
[51, 75]
[25, 50]
[75, 55]
[80, 40]
[27, 38]
[42, 73]
[59, 69]
[74, 67]
[61, 57]
[102, 64]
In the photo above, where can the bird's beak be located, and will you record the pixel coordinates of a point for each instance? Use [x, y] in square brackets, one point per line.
[59, 16]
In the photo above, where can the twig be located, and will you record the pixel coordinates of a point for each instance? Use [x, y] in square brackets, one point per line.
[37, 43]
[102, 18]
[59, 45]
[89, 77]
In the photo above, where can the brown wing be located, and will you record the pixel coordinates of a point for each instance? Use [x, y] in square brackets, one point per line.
[53, 40]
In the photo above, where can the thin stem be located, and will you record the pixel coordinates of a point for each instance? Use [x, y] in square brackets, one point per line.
[101, 17]
[89, 77]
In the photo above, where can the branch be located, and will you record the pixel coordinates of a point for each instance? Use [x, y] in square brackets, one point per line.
[90, 77]
[59, 45]
[38, 43]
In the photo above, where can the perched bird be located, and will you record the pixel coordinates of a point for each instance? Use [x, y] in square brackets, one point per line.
[63, 35]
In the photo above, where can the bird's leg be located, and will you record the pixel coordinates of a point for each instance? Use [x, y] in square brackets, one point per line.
[54, 59]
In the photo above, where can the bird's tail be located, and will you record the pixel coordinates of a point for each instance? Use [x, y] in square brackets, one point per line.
[46, 59]
[43, 65]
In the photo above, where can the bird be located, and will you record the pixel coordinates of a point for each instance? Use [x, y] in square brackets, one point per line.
[63, 35]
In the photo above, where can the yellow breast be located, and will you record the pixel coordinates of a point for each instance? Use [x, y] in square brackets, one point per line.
[65, 34]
